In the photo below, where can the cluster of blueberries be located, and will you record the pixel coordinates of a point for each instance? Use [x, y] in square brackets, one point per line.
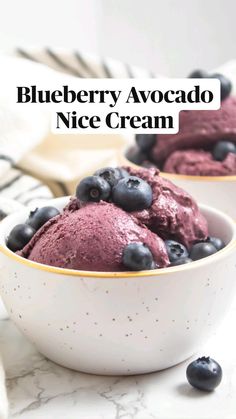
[145, 142]
[21, 234]
[116, 185]
[137, 256]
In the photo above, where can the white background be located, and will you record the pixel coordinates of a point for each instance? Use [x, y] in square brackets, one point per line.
[168, 36]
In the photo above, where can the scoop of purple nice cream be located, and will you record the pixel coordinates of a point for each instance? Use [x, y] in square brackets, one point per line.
[199, 129]
[121, 219]
[202, 163]
[92, 238]
[174, 214]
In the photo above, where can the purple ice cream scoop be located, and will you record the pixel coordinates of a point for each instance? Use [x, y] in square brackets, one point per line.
[198, 130]
[199, 162]
[92, 238]
[93, 235]
[173, 214]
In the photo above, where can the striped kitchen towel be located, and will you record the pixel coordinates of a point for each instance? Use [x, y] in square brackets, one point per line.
[21, 189]
[20, 132]
[84, 65]
[61, 161]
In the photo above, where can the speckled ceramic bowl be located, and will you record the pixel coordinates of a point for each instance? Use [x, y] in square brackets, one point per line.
[119, 322]
[216, 191]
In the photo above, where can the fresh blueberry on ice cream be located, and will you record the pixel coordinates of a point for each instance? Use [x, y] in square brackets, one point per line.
[93, 189]
[145, 141]
[20, 235]
[222, 149]
[132, 194]
[198, 74]
[121, 219]
[137, 256]
[217, 242]
[201, 250]
[176, 250]
[40, 216]
[111, 174]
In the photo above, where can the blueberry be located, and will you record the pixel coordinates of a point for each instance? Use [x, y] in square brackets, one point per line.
[202, 250]
[19, 236]
[222, 148]
[137, 257]
[111, 174]
[217, 242]
[40, 216]
[225, 85]
[198, 74]
[175, 250]
[136, 156]
[181, 261]
[132, 194]
[93, 189]
[123, 172]
[145, 141]
[204, 374]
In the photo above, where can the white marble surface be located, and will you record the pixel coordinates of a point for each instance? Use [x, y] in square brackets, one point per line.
[38, 388]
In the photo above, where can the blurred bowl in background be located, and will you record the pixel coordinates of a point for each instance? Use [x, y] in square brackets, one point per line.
[215, 191]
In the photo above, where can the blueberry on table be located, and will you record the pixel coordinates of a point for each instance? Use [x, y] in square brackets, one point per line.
[137, 257]
[132, 194]
[40, 216]
[19, 236]
[204, 374]
[217, 242]
[202, 250]
[111, 174]
[181, 261]
[198, 74]
[222, 149]
[136, 156]
[175, 250]
[93, 189]
[145, 141]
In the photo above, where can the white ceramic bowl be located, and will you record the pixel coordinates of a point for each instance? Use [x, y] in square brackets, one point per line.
[124, 322]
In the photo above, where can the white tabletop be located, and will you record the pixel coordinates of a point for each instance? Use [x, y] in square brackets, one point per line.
[38, 388]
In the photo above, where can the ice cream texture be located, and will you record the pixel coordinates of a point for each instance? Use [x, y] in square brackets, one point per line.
[173, 214]
[92, 236]
[188, 152]
[199, 162]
